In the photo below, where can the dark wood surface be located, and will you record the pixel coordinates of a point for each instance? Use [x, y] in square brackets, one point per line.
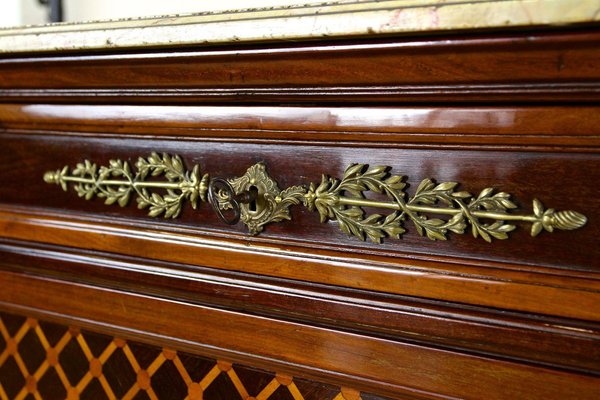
[530, 66]
[409, 319]
[556, 128]
[560, 181]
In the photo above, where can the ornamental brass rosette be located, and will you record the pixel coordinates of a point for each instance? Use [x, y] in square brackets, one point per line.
[257, 200]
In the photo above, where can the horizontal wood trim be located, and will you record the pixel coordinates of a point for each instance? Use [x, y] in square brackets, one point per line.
[572, 126]
[367, 71]
[562, 343]
[467, 93]
[385, 365]
[563, 296]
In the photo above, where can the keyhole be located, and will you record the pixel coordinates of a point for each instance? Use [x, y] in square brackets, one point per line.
[252, 205]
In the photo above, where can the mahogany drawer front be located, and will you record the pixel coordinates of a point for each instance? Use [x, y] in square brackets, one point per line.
[550, 263]
[560, 181]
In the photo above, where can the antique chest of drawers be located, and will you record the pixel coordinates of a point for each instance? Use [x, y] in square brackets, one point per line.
[384, 215]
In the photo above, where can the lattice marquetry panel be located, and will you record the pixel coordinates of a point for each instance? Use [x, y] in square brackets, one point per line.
[41, 360]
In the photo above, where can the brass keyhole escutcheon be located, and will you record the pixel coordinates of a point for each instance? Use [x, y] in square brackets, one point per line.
[253, 206]
[227, 203]
[257, 204]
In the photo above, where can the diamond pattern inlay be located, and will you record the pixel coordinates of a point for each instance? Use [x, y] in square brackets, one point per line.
[41, 360]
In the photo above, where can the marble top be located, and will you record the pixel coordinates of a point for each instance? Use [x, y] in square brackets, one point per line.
[352, 18]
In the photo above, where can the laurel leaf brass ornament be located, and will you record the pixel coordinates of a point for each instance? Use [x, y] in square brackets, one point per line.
[486, 214]
[116, 183]
[256, 199]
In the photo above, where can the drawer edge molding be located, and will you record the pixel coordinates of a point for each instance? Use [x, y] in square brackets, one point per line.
[542, 293]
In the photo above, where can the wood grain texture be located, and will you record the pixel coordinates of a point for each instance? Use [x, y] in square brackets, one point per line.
[543, 291]
[381, 366]
[574, 127]
[560, 343]
[536, 67]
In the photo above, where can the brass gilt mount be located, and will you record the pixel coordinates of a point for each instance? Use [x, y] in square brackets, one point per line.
[117, 182]
[256, 199]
